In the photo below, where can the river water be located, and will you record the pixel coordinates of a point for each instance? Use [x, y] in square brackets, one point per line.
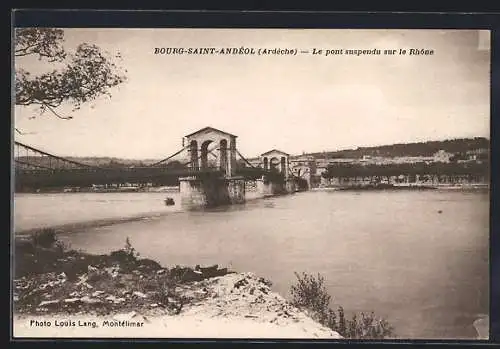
[417, 258]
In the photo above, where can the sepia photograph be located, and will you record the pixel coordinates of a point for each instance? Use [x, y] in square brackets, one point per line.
[250, 183]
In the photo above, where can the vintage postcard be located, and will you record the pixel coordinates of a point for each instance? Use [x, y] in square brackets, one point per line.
[251, 183]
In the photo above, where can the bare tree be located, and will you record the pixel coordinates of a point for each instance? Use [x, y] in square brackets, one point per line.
[80, 77]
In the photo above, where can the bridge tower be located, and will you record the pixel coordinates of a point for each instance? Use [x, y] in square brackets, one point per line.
[210, 141]
[276, 161]
[213, 181]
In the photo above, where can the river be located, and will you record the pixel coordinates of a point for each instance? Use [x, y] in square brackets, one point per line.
[417, 258]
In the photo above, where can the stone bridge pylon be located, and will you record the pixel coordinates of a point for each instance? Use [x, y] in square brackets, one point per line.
[276, 161]
[208, 142]
[212, 155]
[214, 180]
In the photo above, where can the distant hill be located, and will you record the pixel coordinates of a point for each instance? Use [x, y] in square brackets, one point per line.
[455, 146]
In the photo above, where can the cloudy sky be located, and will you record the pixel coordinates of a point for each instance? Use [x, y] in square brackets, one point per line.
[293, 103]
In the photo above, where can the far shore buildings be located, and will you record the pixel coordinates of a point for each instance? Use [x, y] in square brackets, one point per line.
[311, 169]
[316, 166]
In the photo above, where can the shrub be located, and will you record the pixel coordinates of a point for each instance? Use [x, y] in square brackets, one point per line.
[309, 293]
[44, 238]
[129, 249]
[165, 293]
[368, 326]
[62, 246]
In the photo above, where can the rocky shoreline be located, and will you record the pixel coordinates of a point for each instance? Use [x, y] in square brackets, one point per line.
[65, 293]
[237, 305]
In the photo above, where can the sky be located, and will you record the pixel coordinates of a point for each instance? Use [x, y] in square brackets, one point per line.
[302, 103]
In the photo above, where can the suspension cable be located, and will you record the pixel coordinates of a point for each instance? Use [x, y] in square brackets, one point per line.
[291, 173]
[27, 147]
[241, 156]
[168, 158]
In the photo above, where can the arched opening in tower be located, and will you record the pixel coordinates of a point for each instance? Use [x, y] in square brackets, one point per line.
[274, 164]
[204, 154]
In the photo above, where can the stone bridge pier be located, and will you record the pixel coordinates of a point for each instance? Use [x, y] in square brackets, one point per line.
[212, 156]
[205, 192]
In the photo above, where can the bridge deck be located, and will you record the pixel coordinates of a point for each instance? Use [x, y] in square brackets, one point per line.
[81, 177]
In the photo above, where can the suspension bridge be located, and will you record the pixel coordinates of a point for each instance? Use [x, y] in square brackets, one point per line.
[207, 155]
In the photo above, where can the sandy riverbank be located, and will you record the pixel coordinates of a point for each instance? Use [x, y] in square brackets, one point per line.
[83, 225]
[238, 305]
[60, 292]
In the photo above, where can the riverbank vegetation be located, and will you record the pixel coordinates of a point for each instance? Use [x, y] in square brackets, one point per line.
[51, 278]
[455, 146]
[473, 171]
[309, 293]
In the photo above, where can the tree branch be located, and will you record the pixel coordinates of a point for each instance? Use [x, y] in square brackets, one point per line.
[55, 113]
[87, 75]
[23, 133]
[23, 51]
[21, 54]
